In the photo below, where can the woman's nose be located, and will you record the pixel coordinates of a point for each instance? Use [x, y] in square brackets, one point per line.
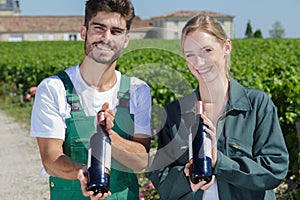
[200, 61]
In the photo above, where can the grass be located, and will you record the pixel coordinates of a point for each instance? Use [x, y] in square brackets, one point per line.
[21, 112]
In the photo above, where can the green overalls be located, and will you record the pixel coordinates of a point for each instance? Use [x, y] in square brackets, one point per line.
[123, 182]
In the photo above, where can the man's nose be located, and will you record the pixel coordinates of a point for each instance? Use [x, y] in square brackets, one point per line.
[107, 35]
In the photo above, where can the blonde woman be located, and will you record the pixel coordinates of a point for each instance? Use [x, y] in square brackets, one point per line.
[249, 155]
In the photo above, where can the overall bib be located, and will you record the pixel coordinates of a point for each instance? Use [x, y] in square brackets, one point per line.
[123, 182]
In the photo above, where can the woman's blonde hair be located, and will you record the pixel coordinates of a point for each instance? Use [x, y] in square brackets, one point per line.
[208, 25]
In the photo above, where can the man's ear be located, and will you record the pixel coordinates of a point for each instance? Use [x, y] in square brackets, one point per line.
[83, 31]
[126, 41]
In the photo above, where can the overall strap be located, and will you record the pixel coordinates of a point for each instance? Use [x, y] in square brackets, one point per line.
[124, 94]
[71, 95]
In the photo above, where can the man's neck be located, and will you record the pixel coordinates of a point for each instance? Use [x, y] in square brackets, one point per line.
[99, 76]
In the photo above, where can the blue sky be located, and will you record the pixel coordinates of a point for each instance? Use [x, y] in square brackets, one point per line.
[261, 13]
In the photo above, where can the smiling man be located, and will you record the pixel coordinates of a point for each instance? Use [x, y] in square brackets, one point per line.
[66, 104]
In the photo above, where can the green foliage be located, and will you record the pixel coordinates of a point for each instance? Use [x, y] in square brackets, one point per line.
[277, 30]
[271, 65]
[257, 34]
[249, 32]
[25, 64]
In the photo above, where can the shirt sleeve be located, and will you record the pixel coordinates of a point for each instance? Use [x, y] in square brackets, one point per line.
[49, 110]
[141, 106]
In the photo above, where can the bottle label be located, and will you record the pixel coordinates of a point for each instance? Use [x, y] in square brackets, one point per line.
[207, 146]
[190, 146]
[107, 158]
[89, 157]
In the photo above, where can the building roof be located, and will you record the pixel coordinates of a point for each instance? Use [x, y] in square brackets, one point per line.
[34, 24]
[188, 14]
[140, 23]
[51, 24]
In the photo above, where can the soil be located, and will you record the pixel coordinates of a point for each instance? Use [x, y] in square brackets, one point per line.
[20, 162]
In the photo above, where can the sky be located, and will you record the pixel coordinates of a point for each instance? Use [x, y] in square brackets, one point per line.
[261, 14]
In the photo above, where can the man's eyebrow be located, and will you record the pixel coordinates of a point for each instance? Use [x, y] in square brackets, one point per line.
[98, 24]
[103, 25]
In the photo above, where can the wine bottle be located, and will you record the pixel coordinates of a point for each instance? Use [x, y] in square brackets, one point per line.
[199, 149]
[99, 158]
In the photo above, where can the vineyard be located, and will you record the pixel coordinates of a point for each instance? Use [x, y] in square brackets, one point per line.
[271, 65]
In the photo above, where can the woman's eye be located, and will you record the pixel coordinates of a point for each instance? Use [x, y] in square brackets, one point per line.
[189, 55]
[207, 50]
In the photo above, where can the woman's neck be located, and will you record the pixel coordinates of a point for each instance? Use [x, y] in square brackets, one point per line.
[215, 96]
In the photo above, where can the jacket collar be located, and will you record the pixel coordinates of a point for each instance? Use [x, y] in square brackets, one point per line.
[238, 99]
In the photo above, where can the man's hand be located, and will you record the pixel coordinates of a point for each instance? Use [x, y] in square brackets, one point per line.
[82, 177]
[109, 116]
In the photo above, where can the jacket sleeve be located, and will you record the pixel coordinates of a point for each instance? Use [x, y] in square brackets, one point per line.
[166, 171]
[268, 163]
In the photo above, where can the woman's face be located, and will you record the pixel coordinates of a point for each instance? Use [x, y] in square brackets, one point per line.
[205, 55]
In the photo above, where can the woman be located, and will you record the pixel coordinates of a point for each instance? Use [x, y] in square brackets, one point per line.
[249, 155]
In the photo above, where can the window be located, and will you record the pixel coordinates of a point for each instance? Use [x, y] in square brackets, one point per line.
[221, 21]
[73, 37]
[51, 37]
[41, 37]
[176, 35]
[15, 38]
[176, 22]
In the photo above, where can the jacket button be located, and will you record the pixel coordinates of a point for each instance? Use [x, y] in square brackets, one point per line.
[52, 184]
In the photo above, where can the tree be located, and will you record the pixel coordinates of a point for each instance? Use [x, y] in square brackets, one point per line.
[257, 34]
[248, 32]
[277, 30]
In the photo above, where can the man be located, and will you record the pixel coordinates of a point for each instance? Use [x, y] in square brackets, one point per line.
[65, 107]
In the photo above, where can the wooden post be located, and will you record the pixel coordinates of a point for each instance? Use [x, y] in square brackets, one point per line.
[298, 132]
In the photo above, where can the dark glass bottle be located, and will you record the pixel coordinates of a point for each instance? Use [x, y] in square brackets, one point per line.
[199, 150]
[99, 158]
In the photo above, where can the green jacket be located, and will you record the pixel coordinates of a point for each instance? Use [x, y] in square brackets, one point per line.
[252, 155]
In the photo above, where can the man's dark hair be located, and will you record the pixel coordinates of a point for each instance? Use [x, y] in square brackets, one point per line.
[124, 7]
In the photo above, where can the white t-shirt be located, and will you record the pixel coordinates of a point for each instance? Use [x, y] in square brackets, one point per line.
[212, 192]
[50, 107]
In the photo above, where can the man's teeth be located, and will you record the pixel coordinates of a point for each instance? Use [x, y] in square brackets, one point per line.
[103, 48]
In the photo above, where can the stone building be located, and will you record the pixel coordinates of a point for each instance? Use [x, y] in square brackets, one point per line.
[171, 24]
[15, 27]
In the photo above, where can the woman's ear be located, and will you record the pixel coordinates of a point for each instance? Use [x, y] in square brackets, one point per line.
[228, 46]
[83, 31]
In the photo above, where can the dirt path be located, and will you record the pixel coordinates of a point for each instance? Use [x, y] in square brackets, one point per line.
[20, 163]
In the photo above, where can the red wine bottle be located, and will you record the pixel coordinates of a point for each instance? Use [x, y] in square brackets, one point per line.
[199, 149]
[99, 158]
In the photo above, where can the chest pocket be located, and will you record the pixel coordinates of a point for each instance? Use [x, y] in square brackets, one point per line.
[236, 148]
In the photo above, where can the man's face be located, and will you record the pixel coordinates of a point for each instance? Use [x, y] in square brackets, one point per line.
[105, 38]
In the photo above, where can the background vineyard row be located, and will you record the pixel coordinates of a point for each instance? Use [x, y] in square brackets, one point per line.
[271, 65]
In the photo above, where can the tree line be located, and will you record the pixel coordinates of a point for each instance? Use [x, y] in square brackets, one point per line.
[277, 31]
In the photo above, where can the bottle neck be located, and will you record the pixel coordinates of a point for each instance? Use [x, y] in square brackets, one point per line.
[198, 108]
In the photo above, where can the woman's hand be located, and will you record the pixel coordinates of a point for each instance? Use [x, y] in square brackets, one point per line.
[202, 185]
